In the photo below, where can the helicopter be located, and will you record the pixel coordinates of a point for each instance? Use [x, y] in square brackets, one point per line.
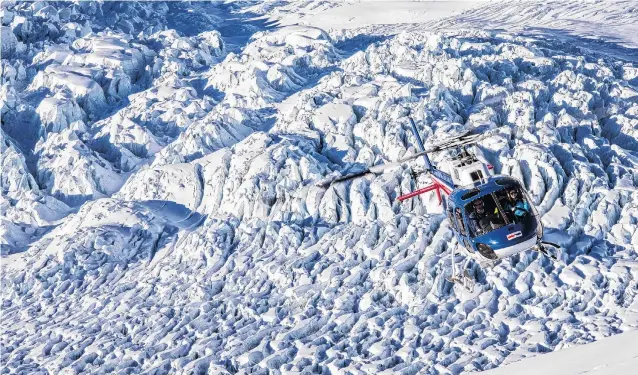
[492, 216]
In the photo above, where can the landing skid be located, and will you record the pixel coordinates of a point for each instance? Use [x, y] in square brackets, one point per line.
[460, 276]
[464, 281]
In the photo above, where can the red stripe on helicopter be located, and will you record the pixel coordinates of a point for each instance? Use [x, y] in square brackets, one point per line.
[511, 236]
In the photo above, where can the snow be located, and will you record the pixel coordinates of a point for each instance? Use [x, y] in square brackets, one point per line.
[9, 41]
[613, 355]
[161, 211]
[356, 14]
[607, 26]
[79, 83]
[59, 112]
[70, 171]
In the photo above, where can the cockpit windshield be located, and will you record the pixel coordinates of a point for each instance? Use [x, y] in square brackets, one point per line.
[494, 210]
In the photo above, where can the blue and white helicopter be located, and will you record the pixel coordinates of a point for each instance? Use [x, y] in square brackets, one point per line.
[492, 216]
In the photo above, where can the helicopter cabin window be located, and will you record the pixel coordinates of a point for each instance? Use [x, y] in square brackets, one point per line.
[515, 204]
[477, 176]
[484, 215]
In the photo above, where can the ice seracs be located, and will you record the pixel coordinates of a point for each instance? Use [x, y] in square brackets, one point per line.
[25, 208]
[179, 183]
[79, 82]
[267, 71]
[182, 55]
[59, 112]
[9, 42]
[97, 68]
[15, 176]
[161, 212]
[111, 52]
[70, 171]
[272, 66]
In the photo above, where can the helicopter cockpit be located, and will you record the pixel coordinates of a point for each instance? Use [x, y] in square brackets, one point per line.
[495, 219]
[495, 210]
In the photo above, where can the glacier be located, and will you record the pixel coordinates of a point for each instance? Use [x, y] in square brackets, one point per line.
[161, 212]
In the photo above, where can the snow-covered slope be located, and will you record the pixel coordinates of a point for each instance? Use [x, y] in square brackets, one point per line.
[610, 356]
[598, 25]
[352, 14]
[161, 212]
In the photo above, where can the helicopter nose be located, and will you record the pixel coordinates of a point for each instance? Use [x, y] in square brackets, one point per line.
[515, 249]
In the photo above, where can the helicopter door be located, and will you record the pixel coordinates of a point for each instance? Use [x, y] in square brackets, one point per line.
[463, 232]
[450, 218]
[458, 218]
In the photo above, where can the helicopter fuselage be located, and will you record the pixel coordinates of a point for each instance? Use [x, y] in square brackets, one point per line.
[501, 229]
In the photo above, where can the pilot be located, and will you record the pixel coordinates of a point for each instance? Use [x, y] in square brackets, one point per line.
[516, 204]
[477, 217]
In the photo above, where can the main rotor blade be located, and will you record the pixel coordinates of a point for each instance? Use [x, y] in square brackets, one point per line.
[349, 177]
[460, 140]
[375, 169]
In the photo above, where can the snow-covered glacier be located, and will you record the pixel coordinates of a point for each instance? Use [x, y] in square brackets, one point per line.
[161, 212]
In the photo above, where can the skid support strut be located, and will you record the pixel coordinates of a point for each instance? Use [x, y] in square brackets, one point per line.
[460, 276]
[548, 249]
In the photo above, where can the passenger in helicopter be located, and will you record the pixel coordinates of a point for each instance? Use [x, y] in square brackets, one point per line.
[516, 205]
[478, 224]
[480, 221]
